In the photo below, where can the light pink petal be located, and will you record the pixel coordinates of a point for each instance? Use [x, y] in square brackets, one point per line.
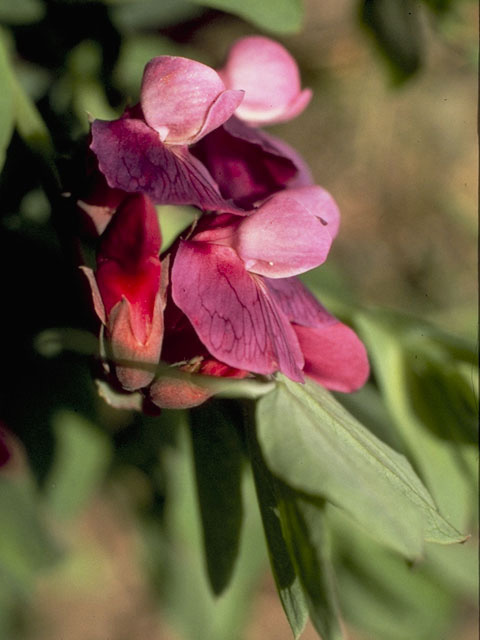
[132, 158]
[183, 99]
[298, 304]
[127, 349]
[232, 311]
[270, 78]
[96, 297]
[319, 202]
[282, 238]
[334, 356]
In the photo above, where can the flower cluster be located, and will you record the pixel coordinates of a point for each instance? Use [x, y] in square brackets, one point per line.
[224, 300]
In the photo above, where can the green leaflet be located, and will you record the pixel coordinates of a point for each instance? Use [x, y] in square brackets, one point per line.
[219, 459]
[314, 445]
[189, 603]
[431, 405]
[288, 583]
[275, 16]
[298, 548]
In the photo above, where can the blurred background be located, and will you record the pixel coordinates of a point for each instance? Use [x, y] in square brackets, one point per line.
[99, 536]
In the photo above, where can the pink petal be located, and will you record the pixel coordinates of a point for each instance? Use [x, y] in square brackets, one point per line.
[183, 99]
[247, 165]
[319, 202]
[232, 312]
[269, 76]
[334, 356]
[282, 238]
[132, 158]
[298, 304]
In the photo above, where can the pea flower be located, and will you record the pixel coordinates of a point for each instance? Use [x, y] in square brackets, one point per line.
[146, 150]
[270, 78]
[127, 290]
[232, 310]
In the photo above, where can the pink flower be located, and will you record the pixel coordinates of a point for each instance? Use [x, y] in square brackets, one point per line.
[127, 290]
[269, 76]
[233, 312]
[146, 150]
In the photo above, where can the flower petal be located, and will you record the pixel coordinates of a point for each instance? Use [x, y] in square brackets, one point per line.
[334, 356]
[298, 304]
[232, 311]
[247, 165]
[128, 265]
[269, 76]
[321, 204]
[183, 99]
[132, 158]
[282, 238]
[127, 349]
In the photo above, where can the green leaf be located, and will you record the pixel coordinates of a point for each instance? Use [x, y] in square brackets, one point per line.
[305, 531]
[275, 16]
[6, 103]
[81, 458]
[189, 604]
[283, 569]
[218, 458]
[396, 28]
[402, 354]
[383, 595]
[312, 443]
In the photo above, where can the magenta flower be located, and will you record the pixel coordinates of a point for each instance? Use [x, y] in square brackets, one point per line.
[146, 150]
[270, 78]
[127, 290]
[233, 312]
